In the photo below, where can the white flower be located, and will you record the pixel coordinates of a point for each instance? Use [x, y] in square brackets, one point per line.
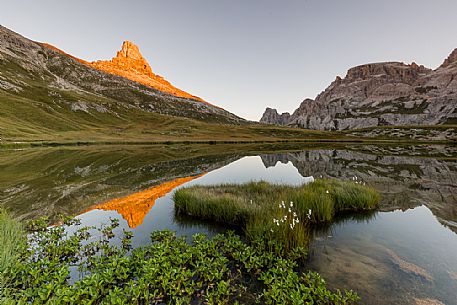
[290, 211]
[291, 204]
[327, 191]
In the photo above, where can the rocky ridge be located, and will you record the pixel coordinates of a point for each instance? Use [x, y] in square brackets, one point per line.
[272, 115]
[130, 64]
[380, 94]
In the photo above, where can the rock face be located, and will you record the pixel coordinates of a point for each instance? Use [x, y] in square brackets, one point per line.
[129, 63]
[271, 116]
[379, 94]
[450, 60]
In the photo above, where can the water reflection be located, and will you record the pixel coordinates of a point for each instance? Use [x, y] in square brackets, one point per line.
[392, 256]
[134, 208]
[52, 181]
[406, 178]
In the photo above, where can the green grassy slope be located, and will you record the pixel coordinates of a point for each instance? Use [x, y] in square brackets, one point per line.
[27, 119]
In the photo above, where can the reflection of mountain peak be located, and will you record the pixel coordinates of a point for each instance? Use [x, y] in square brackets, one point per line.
[136, 206]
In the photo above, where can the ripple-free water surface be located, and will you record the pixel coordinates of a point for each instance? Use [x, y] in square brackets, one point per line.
[405, 251]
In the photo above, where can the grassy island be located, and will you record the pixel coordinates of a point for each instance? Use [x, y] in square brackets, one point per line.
[276, 212]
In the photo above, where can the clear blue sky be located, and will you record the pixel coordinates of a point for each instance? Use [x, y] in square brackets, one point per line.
[245, 55]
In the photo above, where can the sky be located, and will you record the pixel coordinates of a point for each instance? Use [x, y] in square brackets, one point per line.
[245, 55]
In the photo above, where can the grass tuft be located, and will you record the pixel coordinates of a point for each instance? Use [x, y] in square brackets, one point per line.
[276, 212]
[12, 237]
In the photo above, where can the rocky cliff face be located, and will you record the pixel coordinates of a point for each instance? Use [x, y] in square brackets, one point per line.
[452, 59]
[129, 63]
[271, 116]
[380, 94]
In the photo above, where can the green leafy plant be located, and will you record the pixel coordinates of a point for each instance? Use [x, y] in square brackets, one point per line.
[88, 265]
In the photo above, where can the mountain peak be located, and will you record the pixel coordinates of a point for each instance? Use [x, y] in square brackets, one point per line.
[129, 63]
[129, 50]
[129, 58]
[452, 58]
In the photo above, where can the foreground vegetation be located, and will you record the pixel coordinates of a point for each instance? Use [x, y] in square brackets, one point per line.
[96, 266]
[276, 212]
[11, 240]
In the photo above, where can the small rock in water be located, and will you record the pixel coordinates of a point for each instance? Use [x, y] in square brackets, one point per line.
[427, 302]
[408, 267]
[452, 275]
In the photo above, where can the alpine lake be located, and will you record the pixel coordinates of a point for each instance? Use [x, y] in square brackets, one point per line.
[404, 252]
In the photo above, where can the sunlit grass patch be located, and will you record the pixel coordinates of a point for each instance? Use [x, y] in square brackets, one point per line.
[271, 211]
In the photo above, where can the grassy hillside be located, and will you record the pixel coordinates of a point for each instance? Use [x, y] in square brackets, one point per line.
[38, 117]
[43, 115]
[412, 132]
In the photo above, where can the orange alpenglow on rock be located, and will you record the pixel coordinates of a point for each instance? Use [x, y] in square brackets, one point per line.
[133, 208]
[129, 63]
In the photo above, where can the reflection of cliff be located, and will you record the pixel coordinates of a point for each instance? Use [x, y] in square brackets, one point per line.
[134, 207]
[49, 182]
[405, 177]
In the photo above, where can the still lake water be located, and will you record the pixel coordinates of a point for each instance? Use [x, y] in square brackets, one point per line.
[404, 252]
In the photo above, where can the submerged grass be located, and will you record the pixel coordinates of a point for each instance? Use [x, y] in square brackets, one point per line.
[272, 211]
[12, 238]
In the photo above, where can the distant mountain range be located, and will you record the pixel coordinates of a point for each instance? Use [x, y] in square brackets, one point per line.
[47, 95]
[379, 94]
